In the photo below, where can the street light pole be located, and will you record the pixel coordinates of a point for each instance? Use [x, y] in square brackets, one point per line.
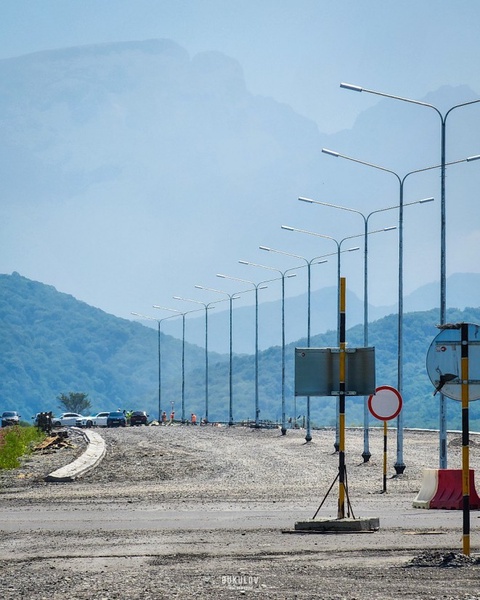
[316, 260]
[443, 220]
[182, 314]
[339, 245]
[158, 321]
[230, 297]
[256, 286]
[207, 307]
[400, 465]
[283, 274]
[366, 444]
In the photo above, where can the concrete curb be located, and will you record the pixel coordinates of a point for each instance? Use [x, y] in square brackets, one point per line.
[92, 456]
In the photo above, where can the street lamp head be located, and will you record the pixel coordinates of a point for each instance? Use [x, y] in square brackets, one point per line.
[475, 157]
[424, 200]
[236, 279]
[165, 308]
[391, 228]
[288, 228]
[330, 152]
[264, 248]
[302, 199]
[349, 86]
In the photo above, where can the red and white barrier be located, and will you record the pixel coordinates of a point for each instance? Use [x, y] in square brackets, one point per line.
[442, 488]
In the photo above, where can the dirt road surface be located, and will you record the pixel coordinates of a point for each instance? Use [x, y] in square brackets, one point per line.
[209, 512]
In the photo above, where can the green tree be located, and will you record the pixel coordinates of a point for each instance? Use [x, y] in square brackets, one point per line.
[77, 402]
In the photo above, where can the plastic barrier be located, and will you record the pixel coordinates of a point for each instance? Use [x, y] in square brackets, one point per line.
[428, 489]
[442, 489]
[449, 490]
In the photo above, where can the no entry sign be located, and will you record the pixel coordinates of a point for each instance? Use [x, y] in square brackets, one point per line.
[386, 403]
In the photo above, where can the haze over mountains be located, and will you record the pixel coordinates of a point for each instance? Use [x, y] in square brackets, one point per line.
[52, 343]
[464, 293]
[130, 172]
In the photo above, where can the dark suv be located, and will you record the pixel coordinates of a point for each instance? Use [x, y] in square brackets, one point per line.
[138, 417]
[10, 417]
[116, 419]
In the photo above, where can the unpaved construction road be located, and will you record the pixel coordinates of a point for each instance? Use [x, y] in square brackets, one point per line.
[209, 512]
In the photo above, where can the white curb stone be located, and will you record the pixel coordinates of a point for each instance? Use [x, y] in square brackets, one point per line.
[88, 460]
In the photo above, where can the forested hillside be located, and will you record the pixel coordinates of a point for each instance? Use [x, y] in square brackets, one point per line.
[52, 344]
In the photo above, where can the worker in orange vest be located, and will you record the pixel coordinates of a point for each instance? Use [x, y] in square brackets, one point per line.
[172, 417]
[164, 418]
[193, 419]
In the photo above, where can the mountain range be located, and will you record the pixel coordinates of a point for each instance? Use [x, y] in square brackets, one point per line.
[53, 344]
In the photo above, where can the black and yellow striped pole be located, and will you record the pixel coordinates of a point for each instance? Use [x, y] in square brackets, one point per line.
[465, 440]
[342, 390]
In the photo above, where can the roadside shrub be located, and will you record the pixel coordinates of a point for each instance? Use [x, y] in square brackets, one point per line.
[16, 442]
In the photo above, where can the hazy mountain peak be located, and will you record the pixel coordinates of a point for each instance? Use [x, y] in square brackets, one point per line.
[152, 46]
[217, 74]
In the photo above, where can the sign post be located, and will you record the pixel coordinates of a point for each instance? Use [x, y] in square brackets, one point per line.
[385, 405]
[337, 372]
[465, 442]
[453, 365]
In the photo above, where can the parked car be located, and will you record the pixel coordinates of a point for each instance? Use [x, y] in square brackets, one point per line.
[138, 417]
[68, 419]
[10, 417]
[116, 419]
[98, 420]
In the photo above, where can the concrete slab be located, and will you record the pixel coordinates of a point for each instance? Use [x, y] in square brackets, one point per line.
[338, 525]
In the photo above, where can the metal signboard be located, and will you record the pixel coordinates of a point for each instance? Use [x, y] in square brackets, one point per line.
[444, 362]
[317, 371]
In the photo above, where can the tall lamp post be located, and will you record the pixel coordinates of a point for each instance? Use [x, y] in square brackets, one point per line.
[183, 315]
[339, 246]
[400, 465]
[256, 286]
[158, 321]
[443, 276]
[366, 444]
[283, 275]
[317, 260]
[230, 297]
[207, 307]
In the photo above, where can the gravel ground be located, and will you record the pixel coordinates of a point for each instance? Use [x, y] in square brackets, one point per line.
[209, 512]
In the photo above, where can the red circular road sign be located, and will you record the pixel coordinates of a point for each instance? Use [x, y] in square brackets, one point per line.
[386, 403]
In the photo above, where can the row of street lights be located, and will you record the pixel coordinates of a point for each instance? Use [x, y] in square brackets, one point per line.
[399, 466]
[339, 251]
[366, 218]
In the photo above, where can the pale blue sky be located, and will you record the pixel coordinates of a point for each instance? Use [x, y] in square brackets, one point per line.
[296, 51]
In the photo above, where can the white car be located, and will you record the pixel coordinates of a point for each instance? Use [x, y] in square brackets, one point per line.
[98, 420]
[68, 419]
